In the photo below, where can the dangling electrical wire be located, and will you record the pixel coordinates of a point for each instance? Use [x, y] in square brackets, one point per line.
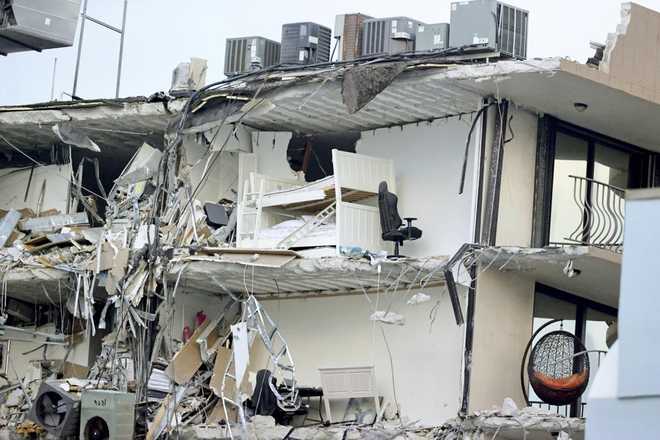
[467, 145]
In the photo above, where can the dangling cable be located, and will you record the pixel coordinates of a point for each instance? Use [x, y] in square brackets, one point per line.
[467, 145]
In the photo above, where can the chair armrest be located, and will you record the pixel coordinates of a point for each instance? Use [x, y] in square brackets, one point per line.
[409, 220]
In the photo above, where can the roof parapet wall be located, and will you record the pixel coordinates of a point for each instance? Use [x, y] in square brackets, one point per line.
[631, 60]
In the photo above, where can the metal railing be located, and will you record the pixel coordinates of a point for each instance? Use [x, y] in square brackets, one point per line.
[603, 214]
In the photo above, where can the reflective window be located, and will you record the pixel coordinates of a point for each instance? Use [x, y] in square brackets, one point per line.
[571, 159]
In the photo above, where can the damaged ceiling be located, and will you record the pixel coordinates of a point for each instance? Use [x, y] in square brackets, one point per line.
[304, 276]
[596, 277]
[116, 125]
[343, 98]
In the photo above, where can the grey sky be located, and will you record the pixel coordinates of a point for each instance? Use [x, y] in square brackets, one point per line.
[162, 33]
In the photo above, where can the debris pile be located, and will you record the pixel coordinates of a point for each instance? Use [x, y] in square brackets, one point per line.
[512, 423]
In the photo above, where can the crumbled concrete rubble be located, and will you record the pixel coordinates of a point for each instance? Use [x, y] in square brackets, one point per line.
[265, 428]
[509, 422]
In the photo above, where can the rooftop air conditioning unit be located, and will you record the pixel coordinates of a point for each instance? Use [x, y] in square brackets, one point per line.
[432, 37]
[106, 415]
[305, 43]
[491, 24]
[387, 36]
[37, 24]
[250, 53]
[55, 410]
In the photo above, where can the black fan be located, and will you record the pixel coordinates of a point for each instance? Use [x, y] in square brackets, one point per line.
[57, 411]
[96, 429]
[51, 409]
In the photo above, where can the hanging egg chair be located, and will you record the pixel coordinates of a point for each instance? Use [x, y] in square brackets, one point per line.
[558, 368]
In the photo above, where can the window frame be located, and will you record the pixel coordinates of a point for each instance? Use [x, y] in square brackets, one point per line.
[548, 128]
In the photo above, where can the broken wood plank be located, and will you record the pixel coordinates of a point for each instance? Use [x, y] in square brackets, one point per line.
[187, 361]
[222, 358]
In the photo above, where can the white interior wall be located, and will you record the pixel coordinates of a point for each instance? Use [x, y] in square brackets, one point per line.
[336, 332]
[503, 325]
[52, 179]
[270, 148]
[221, 181]
[514, 223]
[20, 364]
[427, 160]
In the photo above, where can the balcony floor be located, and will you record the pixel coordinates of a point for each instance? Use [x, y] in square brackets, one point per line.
[599, 269]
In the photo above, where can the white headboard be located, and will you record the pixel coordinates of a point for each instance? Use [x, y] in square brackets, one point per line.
[362, 173]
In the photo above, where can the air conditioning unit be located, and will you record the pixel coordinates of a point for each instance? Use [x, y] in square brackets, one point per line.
[107, 415]
[432, 37]
[250, 53]
[56, 410]
[491, 24]
[37, 24]
[382, 36]
[305, 43]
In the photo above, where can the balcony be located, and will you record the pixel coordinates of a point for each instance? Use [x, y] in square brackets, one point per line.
[603, 214]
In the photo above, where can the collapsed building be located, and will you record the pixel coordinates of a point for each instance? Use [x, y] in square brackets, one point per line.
[242, 252]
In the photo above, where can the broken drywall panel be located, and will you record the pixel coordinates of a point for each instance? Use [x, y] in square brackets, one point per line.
[71, 135]
[104, 259]
[191, 152]
[37, 188]
[213, 175]
[54, 222]
[142, 166]
[146, 235]
[93, 235]
[220, 174]
[187, 361]
[9, 222]
[222, 358]
[118, 271]
[241, 346]
[134, 290]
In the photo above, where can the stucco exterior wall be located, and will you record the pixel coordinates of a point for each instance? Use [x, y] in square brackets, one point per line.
[503, 326]
[514, 223]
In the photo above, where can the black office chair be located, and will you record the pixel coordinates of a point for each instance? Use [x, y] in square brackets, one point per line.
[390, 221]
